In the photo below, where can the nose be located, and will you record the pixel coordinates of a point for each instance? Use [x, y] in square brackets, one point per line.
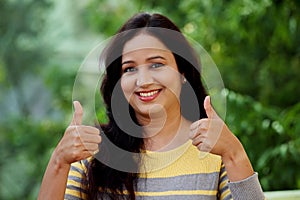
[144, 78]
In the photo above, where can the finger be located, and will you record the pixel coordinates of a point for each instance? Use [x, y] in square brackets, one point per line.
[87, 133]
[88, 129]
[198, 140]
[83, 149]
[202, 123]
[199, 127]
[197, 132]
[92, 151]
[210, 112]
[84, 155]
[91, 147]
[204, 147]
[91, 138]
[78, 113]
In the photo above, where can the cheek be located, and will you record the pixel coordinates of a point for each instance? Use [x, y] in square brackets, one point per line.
[173, 83]
[127, 85]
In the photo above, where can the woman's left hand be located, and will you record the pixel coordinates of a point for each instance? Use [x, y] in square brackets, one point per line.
[211, 134]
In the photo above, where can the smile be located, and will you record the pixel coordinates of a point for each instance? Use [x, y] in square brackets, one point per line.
[149, 95]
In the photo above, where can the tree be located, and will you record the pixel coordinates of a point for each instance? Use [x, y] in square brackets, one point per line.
[255, 45]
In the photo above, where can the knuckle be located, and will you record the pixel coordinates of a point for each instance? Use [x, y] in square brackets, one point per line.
[77, 137]
[75, 155]
[77, 142]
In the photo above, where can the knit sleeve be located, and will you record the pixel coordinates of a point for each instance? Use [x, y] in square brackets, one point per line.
[76, 184]
[247, 189]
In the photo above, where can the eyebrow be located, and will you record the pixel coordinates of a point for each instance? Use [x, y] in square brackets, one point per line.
[127, 62]
[148, 59]
[155, 57]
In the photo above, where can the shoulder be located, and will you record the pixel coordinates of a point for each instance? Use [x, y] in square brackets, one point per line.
[76, 184]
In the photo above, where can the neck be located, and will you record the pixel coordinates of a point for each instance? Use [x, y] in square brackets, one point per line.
[165, 132]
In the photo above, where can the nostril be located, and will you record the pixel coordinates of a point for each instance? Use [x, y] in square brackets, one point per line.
[143, 84]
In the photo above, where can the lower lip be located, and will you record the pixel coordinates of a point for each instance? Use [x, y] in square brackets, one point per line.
[150, 98]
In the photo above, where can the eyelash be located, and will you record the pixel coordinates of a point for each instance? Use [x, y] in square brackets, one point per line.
[154, 65]
[133, 68]
[128, 69]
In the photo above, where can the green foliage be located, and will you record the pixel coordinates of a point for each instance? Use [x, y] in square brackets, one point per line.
[25, 148]
[271, 138]
[30, 121]
[255, 44]
[21, 24]
[107, 16]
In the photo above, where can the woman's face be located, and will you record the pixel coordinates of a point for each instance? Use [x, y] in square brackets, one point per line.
[150, 79]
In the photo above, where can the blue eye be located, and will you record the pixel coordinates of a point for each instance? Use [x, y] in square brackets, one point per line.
[129, 69]
[157, 65]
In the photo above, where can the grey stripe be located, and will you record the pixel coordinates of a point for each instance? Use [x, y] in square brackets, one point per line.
[86, 163]
[224, 189]
[73, 168]
[201, 181]
[75, 178]
[79, 189]
[169, 197]
[179, 197]
[223, 178]
[229, 197]
[71, 197]
[78, 180]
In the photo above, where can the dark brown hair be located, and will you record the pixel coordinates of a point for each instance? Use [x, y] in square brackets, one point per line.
[104, 180]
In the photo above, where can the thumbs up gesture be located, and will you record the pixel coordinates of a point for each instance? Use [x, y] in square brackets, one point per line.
[79, 141]
[211, 134]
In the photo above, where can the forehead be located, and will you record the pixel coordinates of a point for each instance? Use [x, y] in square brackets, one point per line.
[143, 41]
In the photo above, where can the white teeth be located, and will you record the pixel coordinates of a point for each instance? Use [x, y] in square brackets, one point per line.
[148, 94]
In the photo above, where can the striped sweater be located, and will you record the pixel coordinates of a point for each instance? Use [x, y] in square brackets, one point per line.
[183, 173]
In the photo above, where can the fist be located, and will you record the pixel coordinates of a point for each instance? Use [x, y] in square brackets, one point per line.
[211, 134]
[79, 141]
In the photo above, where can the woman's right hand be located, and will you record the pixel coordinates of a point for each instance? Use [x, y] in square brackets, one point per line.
[79, 142]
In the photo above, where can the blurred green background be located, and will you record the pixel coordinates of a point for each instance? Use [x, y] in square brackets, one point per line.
[254, 43]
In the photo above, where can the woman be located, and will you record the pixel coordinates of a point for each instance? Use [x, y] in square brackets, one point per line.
[149, 149]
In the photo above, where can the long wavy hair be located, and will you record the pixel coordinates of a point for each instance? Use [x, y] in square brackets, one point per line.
[104, 181]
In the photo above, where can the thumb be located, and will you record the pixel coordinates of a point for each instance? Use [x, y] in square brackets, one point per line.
[78, 113]
[210, 112]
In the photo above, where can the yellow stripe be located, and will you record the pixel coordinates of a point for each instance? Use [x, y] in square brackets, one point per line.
[75, 173]
[223, 184]
[178, 192]
[83, 165]
[225, 194]
[73, 193]
[78, 165]
[191, 162]
[74, 183]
